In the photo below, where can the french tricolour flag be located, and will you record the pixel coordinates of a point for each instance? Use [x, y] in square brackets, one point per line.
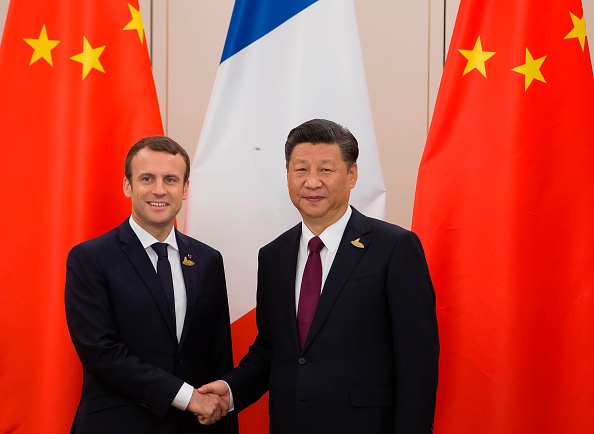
[284, 62]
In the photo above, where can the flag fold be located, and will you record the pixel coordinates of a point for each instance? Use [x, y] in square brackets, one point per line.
[504, 206]
[77, 91]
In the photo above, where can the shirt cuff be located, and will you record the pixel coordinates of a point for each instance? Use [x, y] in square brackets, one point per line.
[182, 399]
[231, 403]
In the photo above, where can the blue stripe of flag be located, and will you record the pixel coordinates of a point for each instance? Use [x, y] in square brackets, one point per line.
[253, 19]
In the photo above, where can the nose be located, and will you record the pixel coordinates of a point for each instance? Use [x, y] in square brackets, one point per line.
[313, 180]
[159, 187]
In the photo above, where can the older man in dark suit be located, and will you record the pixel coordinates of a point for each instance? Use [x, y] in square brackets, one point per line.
[347, 333]
[147, 310]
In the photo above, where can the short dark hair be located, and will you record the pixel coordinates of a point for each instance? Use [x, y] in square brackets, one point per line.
[157, 144]
[324, 131]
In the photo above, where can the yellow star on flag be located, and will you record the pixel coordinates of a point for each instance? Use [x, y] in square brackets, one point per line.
[531, 69]
[579, 30]
[136, 22]
[42, 47]
[89, 58]
[476, 58]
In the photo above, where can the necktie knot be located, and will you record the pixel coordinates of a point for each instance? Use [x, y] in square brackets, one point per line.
[315, 245]
[160, 249]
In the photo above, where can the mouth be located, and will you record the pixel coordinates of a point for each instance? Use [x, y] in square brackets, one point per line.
[158, 204]
[314, 198]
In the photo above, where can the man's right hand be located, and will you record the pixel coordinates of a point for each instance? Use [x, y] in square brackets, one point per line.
[209, 407]
[217, 388]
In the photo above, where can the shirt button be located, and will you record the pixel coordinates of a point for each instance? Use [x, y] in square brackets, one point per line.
[302, 361]
[180, 359]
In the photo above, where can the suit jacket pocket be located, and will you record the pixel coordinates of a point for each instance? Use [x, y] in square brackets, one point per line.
[365, 282]
[106, 401]
[372, 396]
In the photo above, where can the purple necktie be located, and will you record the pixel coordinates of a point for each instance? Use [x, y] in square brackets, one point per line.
[164, 273]
[311, 286]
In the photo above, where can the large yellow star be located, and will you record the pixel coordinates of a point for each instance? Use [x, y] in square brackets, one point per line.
[89, 58]
[136, 22]
[476, 58]
[531, 69]
[42, 47]
[579, 30]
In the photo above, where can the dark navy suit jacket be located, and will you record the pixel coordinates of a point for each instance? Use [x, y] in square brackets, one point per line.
[124, 333]
[369, 364]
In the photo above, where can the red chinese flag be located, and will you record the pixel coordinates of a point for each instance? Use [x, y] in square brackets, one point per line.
[505, 210]
[76, 91]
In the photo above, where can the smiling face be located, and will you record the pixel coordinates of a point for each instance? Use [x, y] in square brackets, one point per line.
[320, 184]
[157, 190]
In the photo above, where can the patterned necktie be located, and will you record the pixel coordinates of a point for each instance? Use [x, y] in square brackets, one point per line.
[164, 273]
[311, 286]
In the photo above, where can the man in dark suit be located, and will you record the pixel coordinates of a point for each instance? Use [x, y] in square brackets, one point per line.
[147, 310]
[363, 358]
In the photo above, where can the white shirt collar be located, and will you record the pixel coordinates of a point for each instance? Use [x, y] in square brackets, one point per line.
[332, 234]
[148, 240]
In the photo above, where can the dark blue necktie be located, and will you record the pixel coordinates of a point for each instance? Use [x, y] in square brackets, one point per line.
[164, 273]
[311, 286]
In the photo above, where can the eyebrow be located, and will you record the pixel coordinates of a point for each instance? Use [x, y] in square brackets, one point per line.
[301, 160]
[152, 175]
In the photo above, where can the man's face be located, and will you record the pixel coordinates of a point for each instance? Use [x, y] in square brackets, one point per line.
[157, 190]
[320, 184]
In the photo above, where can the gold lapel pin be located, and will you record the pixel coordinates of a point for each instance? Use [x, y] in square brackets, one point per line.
[358, 244]
[188, 262]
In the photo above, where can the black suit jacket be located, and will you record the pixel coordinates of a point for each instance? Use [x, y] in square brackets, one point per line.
[124, 334]
[369, 363]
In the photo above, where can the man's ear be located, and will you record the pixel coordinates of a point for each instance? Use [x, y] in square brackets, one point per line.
[127, 188]
[353, 175]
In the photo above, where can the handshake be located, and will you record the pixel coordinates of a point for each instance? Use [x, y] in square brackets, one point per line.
[210, 402]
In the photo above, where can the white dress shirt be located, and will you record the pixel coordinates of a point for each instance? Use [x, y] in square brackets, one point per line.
[182, 399]
[331, 238]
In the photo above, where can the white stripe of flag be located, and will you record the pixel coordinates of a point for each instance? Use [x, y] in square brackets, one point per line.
[309, 66]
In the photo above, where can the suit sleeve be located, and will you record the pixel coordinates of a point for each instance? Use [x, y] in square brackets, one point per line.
[416, 343]
[249, 381]
[221, 349]
[94, 332]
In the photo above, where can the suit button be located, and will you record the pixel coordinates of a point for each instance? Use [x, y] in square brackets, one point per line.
[180, 359]
[302, 361]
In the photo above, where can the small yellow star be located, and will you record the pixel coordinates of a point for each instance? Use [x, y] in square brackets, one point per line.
[89, 58]
[136, 22]
[531, 69]
[476, 58]
[579, 30]
[42, 47]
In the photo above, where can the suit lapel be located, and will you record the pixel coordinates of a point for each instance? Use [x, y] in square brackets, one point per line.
[190, 279]
[347, 257]
[141, 262]
[287, 270]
